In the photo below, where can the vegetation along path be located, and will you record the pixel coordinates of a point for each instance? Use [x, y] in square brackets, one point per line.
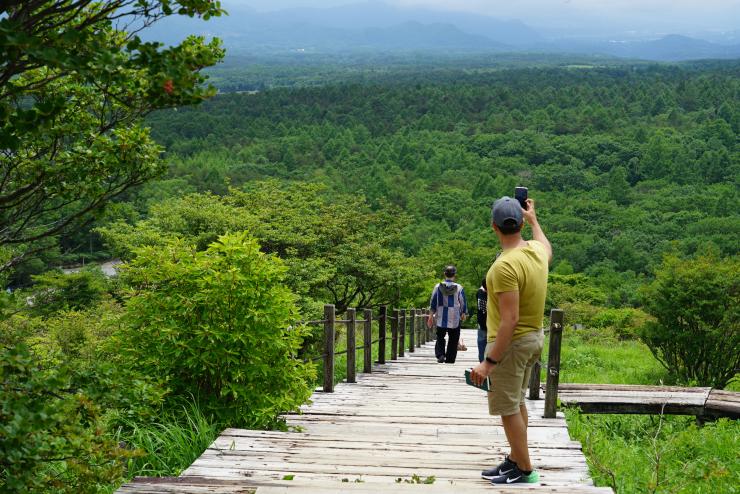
[410, 425]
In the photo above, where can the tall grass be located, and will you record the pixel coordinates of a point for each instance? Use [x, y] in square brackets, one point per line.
[639, 453]
[653, 454]
[168, 447]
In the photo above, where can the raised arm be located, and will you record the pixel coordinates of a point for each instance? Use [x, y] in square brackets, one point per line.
[531, 216]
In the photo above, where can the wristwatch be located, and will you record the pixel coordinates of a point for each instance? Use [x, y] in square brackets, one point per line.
[490, 360]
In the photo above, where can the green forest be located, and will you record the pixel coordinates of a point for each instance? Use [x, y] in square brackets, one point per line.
[239, 209]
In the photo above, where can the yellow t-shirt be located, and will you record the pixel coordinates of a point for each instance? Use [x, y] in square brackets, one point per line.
[523, 269]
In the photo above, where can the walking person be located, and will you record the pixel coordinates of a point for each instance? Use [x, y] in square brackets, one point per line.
[482, 299]
[517, 285]
[448, 307]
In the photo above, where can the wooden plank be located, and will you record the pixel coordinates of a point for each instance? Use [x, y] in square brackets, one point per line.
[631, 387]
[185, 485]
[369, 441]
[403, 487]
[394, 459]
[384, 477]
[722, 403]
[635, 399]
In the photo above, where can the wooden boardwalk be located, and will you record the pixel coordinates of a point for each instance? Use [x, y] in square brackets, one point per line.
[410, 420]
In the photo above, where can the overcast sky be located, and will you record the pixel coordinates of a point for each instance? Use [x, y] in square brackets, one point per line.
[574, 16]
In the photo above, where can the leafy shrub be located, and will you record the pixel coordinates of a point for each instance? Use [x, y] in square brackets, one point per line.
[572, 288]
[51, 437]
[624, 322]
[215, 325]
[55, 291]
[63, 388]
[696, 331]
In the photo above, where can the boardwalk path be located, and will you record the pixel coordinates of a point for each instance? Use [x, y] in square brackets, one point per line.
[411, 417]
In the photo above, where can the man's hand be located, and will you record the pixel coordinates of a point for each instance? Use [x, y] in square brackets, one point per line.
[529, 213]
[430, 321]
[480, 372]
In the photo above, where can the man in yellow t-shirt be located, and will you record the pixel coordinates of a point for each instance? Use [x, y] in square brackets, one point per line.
[517, 285]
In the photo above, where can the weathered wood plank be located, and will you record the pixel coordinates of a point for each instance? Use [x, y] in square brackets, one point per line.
[462, 477]
[723, 404]
[636, 399]
[403, 487]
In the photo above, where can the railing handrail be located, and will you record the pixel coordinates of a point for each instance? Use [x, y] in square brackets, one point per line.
[403, 322]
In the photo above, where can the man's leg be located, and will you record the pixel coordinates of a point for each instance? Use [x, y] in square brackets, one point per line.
[515, 428]
[525, 414]
[510, 380]
[481, 344]
[439, 347]
[452, 345]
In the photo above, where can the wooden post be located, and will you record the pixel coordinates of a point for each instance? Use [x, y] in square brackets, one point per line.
[553, 362]
[351, 346]
[381, 333]
[427, 329]
[430, 331]
[367, 351]
[394, 333]
[402, 333]
[329, 348]
[420, 327]
[412, 331]
[534, 381]
[417, 336]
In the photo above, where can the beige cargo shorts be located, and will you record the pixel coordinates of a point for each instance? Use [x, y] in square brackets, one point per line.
[510, 377]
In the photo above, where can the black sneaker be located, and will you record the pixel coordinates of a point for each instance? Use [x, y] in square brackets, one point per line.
[503, 468]
[441, 360]
[516, 476]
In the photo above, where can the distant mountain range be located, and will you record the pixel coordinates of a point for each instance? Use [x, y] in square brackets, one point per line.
[668, 48]
[381, 27]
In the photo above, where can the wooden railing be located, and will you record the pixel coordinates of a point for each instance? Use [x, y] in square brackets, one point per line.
[412, 322]
[405, 325]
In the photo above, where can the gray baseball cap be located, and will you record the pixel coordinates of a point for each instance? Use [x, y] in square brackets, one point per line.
[506, 210]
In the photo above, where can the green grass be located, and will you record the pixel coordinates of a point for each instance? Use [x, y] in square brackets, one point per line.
[670, 454]
[599, 357]
[637, 453]
[168, 447]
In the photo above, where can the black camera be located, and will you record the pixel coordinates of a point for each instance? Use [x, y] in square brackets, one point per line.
[520, 194]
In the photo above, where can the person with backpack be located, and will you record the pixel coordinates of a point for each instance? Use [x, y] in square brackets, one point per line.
[449, 309]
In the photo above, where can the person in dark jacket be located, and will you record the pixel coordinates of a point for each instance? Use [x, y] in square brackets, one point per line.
[482, 296]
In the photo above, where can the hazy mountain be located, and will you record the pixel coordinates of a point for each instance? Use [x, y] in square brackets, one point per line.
[379, 15]
[372, 26]
[414, 36]
[348, 27]
[668, 48]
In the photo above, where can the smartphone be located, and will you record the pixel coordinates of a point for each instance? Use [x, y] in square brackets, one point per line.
[520, 194]
[486, 386]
